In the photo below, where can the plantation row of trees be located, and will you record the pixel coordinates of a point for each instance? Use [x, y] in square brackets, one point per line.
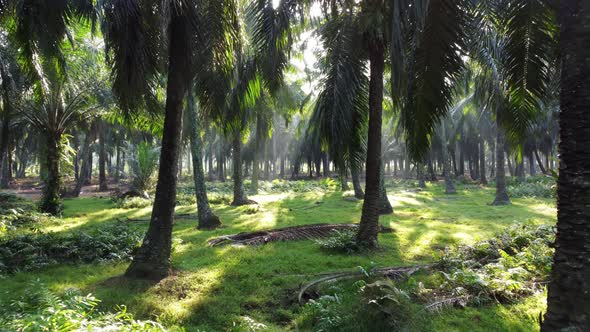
[461, 87]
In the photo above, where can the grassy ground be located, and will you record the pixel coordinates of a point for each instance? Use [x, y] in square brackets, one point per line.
[215, 289]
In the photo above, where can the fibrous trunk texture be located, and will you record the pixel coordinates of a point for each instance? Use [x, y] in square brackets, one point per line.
[51, 200]
[369, 225]
[152, 260]
[206, 218]
[501, 193]
[568, 302]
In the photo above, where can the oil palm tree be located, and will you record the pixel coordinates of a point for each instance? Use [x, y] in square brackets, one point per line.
[194, 32]
[206, 218]
[569, 291]
[38, 29]
[388, 28]
[12, 83]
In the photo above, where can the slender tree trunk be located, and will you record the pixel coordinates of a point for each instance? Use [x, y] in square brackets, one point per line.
[152, 260]
[239, 194]
[4, 149]
[325, 165]
[356, 184]
[501, 192]
[431, 168]
[85, 155]
[87, 181]
[118, 163]
[6, 113]
[453, 156]
[210, 158]
[369, 225]
[532, 169]
[344, 179]
[6, 169]
[449, 186]
[102, 156]
[493, 168]
[482, 162]
[520, 169]
[206, 218]
[255, 173]
[568, 300]
[420, 175]
[384, 205]
[221, 162]
[51, 200]
[462, 158]
[282, 168]
[539, 162]
[476, 161]
[511, 169]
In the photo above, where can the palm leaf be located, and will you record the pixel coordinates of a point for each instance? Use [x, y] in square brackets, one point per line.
[436, 65]
[529, 55]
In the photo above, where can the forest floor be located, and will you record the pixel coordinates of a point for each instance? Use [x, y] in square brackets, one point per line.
[226, 287]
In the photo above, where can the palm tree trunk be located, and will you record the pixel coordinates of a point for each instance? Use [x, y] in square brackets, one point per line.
[482, 162]
[210, 156]
[239, 194]
[206, 218]
[4, 146]
[501, 193]
[51, 201]
[85, 155]
[568, 300]
[539, 162]
[369, 225]
[431, 167]
[449, 186]
[384, 205]
[344, 179]
[118, 163]
[6, 112]
[420, 175]
[520, 169]
[461, 157]
[509, 162]
[102, 156]
[356, 184]
[152, 260]
[255, 172]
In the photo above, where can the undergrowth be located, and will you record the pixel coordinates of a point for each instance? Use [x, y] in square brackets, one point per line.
[39, 309]
[505, 269]
[36, 250]
[341, 241]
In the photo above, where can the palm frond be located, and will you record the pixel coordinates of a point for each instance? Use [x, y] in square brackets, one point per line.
[436, 65]
[529, 55]
[340, 112]
[132, 40]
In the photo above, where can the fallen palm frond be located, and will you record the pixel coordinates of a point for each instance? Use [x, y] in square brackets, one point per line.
[388, 272]
[437, 305]
[294, 233]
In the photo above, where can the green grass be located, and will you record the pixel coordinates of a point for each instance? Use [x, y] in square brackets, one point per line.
[215, 288]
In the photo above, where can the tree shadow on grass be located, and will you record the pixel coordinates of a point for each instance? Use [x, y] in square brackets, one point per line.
[215, 286]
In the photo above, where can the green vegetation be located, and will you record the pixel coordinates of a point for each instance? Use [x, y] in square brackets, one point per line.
[192, 159]
[239, 288]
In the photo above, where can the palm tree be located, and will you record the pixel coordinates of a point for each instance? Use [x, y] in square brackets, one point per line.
[11, 79]
[51, 116]
[568, 299]
[38, 30]
[206, 218]
[196, 32]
